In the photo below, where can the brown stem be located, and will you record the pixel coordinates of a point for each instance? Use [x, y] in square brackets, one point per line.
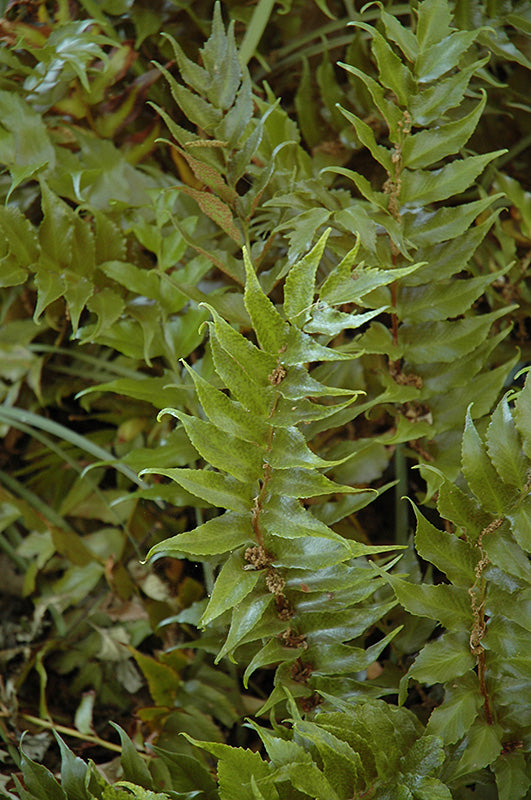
[483, 686]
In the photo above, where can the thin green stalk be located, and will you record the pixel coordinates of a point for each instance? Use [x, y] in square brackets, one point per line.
[15, 417]
[255, 29]
[86, 737]
[514, 151]
[34, 501]
[401, 490]
[30, 421]
[10, 551]
[101, 363]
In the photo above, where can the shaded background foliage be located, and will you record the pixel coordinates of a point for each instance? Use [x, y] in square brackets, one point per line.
[135, 169]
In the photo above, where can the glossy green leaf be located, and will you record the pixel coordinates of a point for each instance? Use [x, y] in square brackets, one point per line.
[301, 347]
[296, 482]
[421, 187]
[453, 504]
[481, 476]
[522, 416]
[245, 617]
[195, 76]
[255, 363]
[236, 374]
[216, 210]
[196, 109]
[366, 136]
[28, 141]
[309, 552]
[443, 56]
[389, 110]
[217, 489]
[341, 764]
[272, 652]
[220, 48]
[434, 20]
[504, 552]
[425, 757]
[289, 450]
[226, 414]
[456, 715]
[457, 559]
[299, 288]
[40, 781]
[232, 585]
[400, 34]
[427, 147]
[73, 772]
[222, 450]
[134, 766]
[431, 103]
[19, 236]
[393, 73]
[504, 447]
[354, 287]
[449, 605]
[307, 778]
[445, 223]
[334, 659]
[444, 659]
[483, 745]
[512, 776]
[520, 519]
[217, 535]
[271, 330]
[287, 518]
[331, 322]
[441, 300]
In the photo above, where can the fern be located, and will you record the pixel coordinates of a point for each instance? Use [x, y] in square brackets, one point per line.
[369, 749]
[425, 348]
[351, 326]
[481, 659]
[282, 562]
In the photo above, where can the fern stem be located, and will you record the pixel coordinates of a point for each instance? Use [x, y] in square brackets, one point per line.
[483, 687]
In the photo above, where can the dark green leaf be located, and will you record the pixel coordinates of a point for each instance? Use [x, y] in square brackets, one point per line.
[427, 147]
[457, 559]
[456, 715]
[299, 288]
[479, 472]
[271, 330]
[217, 535]
[444, 659]
[512, 776]
[483, 746]
[443, 55]
[420, 187]
[232, 585]
[222, 450]
[219, 490]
